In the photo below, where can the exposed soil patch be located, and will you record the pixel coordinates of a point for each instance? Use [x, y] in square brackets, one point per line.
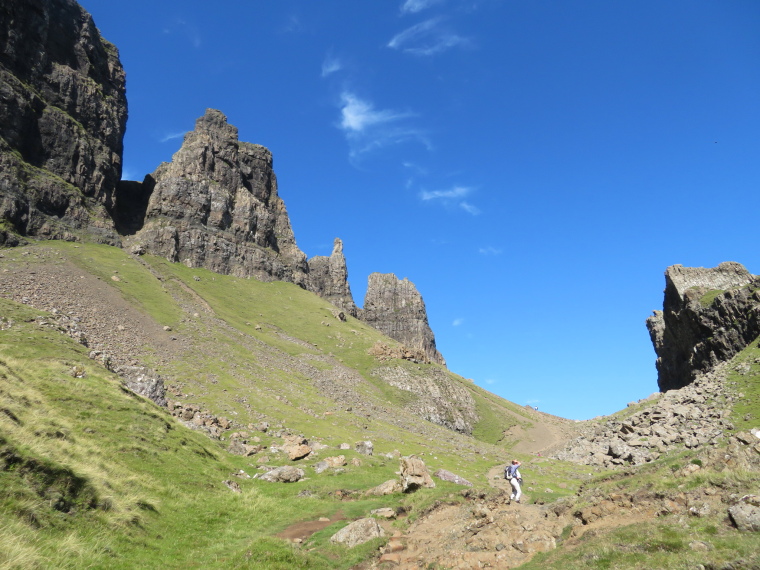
[304, 529]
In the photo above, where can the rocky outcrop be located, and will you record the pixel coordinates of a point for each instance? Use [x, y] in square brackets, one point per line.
[436, 396]
[328, 278]
[215, 205]
[708, 316]
[395, 307]
[693, 417]
[63, 114]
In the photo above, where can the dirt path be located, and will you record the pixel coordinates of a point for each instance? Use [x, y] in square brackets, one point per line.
[543, 431]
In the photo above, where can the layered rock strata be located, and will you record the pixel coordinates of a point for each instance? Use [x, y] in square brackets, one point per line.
[215, 205]
[63, 114]
[708, 316]
[395, 307]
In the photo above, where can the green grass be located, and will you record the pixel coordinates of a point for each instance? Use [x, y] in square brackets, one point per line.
[105, 478]
[93, 476]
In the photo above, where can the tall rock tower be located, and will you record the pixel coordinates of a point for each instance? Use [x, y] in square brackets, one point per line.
[328, 278]
[395, 307]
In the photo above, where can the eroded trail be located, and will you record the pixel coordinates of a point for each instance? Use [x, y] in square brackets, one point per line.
[477, 534]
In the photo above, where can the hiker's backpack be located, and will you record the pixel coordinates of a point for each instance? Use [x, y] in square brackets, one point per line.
[509, 471]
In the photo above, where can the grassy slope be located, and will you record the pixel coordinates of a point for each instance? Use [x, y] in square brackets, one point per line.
[96, 476]
[93, 476]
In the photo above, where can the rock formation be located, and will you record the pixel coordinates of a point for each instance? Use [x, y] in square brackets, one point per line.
[63, 113]
[328, 278]
[708, 316]
[694, 417]
[396, 308]
[215, 205]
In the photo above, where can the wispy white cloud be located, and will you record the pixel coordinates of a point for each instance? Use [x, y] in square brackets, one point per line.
[367, 128]
[457, 322]
[186, 29]
[489, 250]
[490, 381]
[128, 174]
[453, 197]
[330, 65]
[452, 194]
[430, 37]
[469, 208]
[358, 115]
[414, 6]
[293, 25]
[171, 136]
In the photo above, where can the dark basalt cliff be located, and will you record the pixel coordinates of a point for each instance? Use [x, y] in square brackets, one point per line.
[395, 307]
[708, 316]
[63, 113]
[215, 205]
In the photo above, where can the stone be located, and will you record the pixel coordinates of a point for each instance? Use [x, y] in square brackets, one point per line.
[296, 452]
[388, 488]
[358, 532]
[364, 447]
[284, 474]
[745, 516]
[414, 474]
[336, 461]
[384, 513]
[445, 475]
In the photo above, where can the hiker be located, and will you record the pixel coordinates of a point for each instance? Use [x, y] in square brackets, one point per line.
[512, 474]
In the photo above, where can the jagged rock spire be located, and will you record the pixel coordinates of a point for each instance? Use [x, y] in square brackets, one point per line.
[328, 278]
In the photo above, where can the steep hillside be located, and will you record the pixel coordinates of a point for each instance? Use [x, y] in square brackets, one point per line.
[93, 473]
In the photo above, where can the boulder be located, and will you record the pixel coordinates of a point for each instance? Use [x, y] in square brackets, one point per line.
[364, 447]
[444, 475]
[358, 532]
[745, 516]
[284, 474]
[388, 488]
[414, 474]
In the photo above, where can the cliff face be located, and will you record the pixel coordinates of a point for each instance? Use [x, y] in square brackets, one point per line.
[396, 308]
[63, 114]
[708, 316]
[215, 205]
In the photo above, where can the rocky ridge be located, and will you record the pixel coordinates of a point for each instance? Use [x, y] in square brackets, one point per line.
[63, 114]
[694, 417]
[708, 316]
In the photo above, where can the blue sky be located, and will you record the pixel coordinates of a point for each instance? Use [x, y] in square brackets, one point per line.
[532, 166]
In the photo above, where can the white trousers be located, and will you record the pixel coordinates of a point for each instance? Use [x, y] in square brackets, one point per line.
[515, 489]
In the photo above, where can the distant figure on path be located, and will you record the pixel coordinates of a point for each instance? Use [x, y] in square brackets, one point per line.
[512, 474]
